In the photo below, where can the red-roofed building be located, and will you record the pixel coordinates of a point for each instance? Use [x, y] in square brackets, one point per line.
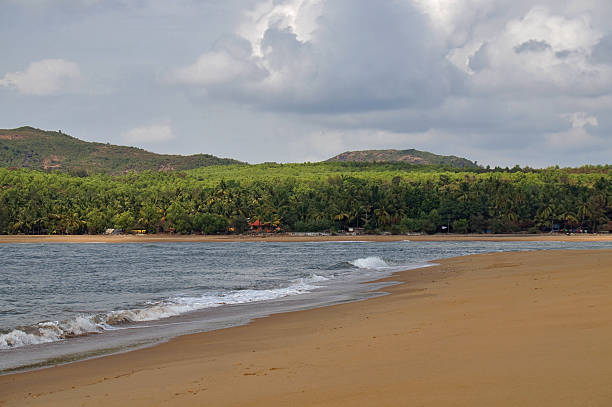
[268, 227]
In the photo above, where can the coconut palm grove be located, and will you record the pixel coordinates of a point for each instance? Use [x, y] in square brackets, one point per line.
[311, 197]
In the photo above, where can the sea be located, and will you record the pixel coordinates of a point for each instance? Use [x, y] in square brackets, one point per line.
[61, 303]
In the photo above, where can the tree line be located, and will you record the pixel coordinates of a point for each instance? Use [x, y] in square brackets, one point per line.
[308, 198]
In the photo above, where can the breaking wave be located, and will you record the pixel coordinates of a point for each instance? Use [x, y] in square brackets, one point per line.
[52, 331]
[373, 262]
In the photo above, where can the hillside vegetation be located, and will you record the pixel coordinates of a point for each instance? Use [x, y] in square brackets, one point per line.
[31, 148]
[411, 156]
[27, 147]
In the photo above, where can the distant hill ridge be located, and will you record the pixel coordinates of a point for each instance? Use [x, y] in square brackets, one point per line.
[410, 156]
[27, 147]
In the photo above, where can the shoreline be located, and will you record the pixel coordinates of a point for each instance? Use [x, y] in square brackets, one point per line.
[527, 328]
[159, 238]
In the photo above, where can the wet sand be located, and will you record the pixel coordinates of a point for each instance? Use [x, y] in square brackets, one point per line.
[297, 238]
[504, 329]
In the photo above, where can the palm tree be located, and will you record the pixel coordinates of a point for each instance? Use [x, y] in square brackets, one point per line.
[568, 217]
[341, 217]
[547, 213]
[382, 216]
[584, 211]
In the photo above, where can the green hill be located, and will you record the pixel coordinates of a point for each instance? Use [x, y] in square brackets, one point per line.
[27, 147]
[408, 156]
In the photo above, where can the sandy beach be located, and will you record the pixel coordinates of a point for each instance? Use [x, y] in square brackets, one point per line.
[298, 238]
[509, 329]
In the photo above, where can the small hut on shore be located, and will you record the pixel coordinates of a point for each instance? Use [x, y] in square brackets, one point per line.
[258, 226]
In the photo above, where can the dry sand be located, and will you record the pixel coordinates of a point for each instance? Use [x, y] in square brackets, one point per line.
[510, 329]
[295, 238]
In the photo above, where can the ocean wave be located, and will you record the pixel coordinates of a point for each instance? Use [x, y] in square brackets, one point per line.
[313, 278]
[53, 331]
[372, 262]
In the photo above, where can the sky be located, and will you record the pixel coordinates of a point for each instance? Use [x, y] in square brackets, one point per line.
[502, 82]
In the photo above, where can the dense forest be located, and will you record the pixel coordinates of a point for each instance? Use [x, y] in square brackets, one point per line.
[392, 197]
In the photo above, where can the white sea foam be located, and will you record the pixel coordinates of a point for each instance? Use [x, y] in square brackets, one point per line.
[372, 262]
[315, 278]
[181, 305]
[45, 332]
[17, 338]
[52, 331]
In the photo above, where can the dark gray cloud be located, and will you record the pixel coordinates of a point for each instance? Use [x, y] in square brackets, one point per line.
[563, 54]
[479, 60]
[602, 53]
[532, 46]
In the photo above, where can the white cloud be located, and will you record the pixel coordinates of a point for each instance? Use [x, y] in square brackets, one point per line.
[581, 119]
[577, 137]
[45, 77]
[562, 33]
[539, 53]
[315, 55]
[298, 16]
[155, 133]
[230, 60]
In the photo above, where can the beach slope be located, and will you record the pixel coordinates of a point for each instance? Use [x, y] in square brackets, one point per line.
[504, 329]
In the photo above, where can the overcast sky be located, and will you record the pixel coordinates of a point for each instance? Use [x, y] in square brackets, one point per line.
[502, 82]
